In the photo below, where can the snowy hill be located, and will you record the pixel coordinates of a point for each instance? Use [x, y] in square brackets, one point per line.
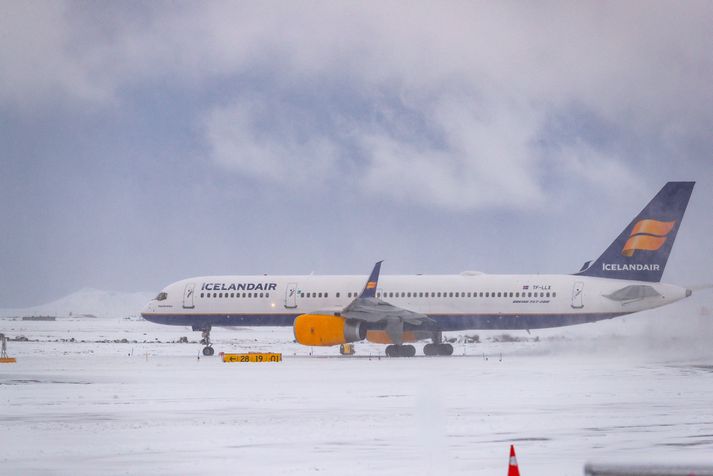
[92, 302]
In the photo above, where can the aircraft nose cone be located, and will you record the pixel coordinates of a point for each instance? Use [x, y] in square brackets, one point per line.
[148, 309]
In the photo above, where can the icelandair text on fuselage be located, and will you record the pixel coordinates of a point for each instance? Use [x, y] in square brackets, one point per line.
[630, 267]
[239, 287]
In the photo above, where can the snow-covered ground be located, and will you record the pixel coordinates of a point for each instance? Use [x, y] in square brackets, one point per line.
[635, 388]
[88, 301]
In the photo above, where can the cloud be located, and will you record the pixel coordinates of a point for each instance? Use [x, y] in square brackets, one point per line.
[292, 152]
[38, 67]
[444, 105]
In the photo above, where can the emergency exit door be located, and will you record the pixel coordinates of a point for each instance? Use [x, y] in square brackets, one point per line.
[578, 295]
[188, 296]
[291, 296]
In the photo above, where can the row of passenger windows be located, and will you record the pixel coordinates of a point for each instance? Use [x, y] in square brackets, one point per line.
[487, 294]
[236, 295]
[403, 294]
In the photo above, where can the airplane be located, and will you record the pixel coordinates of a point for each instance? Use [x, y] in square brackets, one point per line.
[398, 310]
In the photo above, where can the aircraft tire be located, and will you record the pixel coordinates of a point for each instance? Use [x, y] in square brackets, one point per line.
[400, 351]
[208, 351]
[430, 349]
[408, 351]
[445, 349]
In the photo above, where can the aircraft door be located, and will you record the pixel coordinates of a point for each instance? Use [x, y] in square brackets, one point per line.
[188, 296]
[291, 296]
[577, 295]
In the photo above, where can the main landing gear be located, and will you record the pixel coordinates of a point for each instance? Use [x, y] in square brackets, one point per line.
[400, 351]
[438, 347]
[208, 349]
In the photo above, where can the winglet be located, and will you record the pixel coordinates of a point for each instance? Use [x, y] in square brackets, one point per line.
[371, 283]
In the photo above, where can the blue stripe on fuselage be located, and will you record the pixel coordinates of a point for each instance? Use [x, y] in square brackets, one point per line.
[446, 322]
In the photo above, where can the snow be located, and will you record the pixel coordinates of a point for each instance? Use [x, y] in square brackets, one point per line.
[631, 389]
[89, 301]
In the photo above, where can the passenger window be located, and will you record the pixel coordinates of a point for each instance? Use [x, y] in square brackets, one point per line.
[554, 295]
[267, 295]
[510, 294]
[487, 294]
[320, 294]
[261, 294]
[548, 294]
[201, 294]
[326, 294]
[337, 294]
[220, 295]
[250, 295]
[403, 294]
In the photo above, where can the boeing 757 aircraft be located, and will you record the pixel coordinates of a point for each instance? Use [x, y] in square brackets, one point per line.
[397, 310]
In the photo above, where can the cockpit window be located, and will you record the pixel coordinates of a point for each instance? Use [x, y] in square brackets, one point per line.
[161, 296]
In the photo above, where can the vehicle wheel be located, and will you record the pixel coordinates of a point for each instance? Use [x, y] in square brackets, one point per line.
[408, 351]
[392, 351]
[208, 351]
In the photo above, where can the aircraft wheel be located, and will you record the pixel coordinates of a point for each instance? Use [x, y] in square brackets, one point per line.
[430, 349]
[408, 351]
[392, 351]
[445, 349]
[208, 351]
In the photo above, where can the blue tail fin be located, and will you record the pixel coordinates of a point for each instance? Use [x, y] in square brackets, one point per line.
[371, 283]
[641, 251]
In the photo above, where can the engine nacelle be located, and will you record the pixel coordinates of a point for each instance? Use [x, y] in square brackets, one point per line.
[325, 330]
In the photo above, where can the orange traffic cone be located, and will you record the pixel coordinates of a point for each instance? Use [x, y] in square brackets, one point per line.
[512, 465]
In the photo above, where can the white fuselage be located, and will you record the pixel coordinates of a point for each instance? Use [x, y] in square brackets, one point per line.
[455, 302]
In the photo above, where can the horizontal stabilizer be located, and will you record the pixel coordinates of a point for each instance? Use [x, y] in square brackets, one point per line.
[635, 292]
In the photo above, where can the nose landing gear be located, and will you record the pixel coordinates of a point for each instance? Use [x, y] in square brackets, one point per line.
[208, 349]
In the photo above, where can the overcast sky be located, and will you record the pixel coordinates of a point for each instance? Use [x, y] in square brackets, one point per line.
[146, 142]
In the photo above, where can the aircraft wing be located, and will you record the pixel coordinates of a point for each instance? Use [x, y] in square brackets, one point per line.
[368, 308]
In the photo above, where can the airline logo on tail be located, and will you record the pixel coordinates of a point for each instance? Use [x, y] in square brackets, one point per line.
[371, 285]
[647, 235]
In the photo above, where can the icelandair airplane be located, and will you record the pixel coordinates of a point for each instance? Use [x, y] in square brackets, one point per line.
[397, 310]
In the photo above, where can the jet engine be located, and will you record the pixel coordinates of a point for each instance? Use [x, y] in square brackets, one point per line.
[325, 330]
